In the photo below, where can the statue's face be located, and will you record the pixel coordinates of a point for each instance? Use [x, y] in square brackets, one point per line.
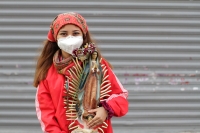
[94, 55]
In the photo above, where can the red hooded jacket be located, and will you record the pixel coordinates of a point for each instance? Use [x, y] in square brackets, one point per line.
[50, 105]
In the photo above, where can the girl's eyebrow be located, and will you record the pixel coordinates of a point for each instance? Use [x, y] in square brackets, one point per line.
[63, 31]
[67, 31]
[76, 30]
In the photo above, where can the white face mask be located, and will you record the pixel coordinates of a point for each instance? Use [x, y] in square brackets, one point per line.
[69, 43]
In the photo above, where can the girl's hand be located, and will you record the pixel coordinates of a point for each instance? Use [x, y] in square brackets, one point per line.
[101, 115]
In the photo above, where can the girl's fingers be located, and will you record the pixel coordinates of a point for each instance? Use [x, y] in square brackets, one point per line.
[93, 110]
[94, 122]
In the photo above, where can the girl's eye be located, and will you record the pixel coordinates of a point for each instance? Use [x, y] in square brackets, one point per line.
[63, 34]
[76, 33]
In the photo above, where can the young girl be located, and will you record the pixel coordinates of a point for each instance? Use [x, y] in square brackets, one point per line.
[77, 90]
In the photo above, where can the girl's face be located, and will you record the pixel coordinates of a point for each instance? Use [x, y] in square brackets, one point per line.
[69, 29]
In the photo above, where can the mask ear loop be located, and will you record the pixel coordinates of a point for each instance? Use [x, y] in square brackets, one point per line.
[84, 42]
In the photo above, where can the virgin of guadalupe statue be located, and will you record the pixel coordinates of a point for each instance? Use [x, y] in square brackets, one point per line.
[91, 88]
[89, 94]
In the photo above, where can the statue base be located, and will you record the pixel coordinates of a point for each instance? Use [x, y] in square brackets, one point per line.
[80, 130]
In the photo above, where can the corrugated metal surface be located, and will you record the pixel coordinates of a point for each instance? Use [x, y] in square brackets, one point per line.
[154, 47]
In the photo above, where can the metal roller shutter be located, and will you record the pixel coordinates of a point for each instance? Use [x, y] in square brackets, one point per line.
[154, 47]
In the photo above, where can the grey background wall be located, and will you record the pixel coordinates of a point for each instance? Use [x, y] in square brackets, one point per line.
[154, 47]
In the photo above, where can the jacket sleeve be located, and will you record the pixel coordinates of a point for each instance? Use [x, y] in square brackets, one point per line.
[45, 109]
[118, 95]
